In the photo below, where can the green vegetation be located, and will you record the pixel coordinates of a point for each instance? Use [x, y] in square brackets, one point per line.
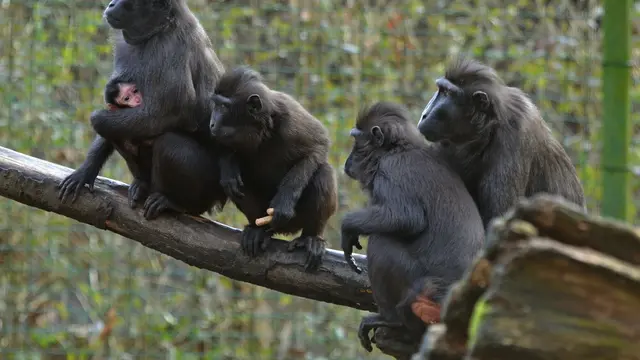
[70, 291]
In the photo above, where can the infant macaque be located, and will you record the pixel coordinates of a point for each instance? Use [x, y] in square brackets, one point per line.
[120, 95]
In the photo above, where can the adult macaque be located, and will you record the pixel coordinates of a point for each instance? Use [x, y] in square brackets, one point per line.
[496, 139]
[424, 228]
[161, 48]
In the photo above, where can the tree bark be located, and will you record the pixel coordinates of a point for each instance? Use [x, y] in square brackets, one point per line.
[553, 283]
[195, 240]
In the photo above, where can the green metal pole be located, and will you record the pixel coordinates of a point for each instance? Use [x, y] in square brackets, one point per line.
[616, 191]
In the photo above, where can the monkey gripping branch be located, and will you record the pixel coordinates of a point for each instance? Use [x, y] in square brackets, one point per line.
[194, 240]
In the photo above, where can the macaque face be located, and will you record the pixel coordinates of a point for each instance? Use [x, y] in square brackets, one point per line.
[129, 96]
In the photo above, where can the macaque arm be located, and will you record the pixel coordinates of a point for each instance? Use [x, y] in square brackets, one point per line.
[230, 175]
[98, 154]
[154, 117]
[391, 213]
[503, 183]
[294, 183]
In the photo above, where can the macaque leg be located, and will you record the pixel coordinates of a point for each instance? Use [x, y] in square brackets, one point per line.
[316, 205]
[256, 235]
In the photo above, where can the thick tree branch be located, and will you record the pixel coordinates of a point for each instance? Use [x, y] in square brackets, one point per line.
[194, 240]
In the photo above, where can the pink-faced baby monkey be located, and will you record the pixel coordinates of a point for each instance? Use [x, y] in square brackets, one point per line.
[120, 95]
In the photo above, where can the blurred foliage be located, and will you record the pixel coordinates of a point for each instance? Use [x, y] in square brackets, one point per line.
[70, 291]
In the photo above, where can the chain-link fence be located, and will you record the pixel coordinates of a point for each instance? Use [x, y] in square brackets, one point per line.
[70, 291]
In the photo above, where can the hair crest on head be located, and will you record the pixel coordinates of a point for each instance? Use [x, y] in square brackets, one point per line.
[475, 76]
[394, 121]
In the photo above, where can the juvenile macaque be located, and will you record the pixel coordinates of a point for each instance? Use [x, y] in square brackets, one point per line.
[282, 152]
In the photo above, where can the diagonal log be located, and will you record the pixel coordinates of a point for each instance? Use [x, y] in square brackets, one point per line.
[195, 240]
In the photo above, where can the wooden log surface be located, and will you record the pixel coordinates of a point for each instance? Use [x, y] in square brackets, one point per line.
[195, 240]
[552, 301]
[552, 283]
[567, 224]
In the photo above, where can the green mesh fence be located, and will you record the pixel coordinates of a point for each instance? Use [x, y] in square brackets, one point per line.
[70, 291]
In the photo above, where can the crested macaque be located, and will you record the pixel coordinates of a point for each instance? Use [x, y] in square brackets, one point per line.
[161, 47]
[424, 228]
[496, 140]
[282, 152]
[120, 95]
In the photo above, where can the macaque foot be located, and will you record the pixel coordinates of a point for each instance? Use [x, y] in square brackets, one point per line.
[314, 246]
[254, 240]
[397, 342]
[372, 322]
[138, 191]
[156, 204]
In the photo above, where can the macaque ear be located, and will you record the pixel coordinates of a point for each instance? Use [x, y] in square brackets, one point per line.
[254, 103]
[481, 100]
[377, 137]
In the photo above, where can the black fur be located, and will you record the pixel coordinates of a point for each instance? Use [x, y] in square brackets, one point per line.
[496, 139]
[423, 226]
[282, 152]
[111, 92]
[161, 47]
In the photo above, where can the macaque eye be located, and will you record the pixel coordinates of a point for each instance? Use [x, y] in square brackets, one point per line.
[135, 91]
[444, 92]
[222, 107]
[126, 98]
